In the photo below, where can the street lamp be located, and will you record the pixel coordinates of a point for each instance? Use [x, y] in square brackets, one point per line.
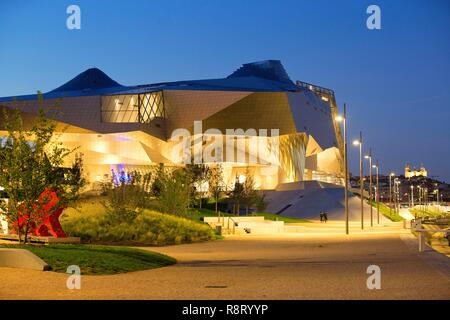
[360, 144]
[424, 200]
[369, 157]
[377, 193]
[412, 196]
[343, 119]
[390, 192]
[397, 195]
[437, 197]
[420, 197]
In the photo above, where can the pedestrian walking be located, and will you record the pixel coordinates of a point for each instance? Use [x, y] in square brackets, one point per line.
[321, 216]
[325, 217]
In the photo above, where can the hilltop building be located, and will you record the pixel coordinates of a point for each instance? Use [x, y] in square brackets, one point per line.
[422, 172]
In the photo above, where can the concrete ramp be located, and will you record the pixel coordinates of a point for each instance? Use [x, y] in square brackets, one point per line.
[308, 202]
[21, 258]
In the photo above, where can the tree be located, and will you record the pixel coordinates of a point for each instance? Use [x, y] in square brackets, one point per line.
[174, 195]
[237, 195]
[250, 194]
[199, 174]
[261, 202]
[128, 197]
[31, 161]
[216, 184]
[157, 182]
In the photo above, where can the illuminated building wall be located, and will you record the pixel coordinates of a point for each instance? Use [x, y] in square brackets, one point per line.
[123, 128]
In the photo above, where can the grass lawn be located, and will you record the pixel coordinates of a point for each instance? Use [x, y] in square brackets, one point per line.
[274, 217]
[96, 259]
[384, 210]
[431, 212]
[198, 214]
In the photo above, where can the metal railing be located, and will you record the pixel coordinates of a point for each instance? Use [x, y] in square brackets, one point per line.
[416, 225]
[235, 224]
[329, 94]
[315, 88]
[221, 220]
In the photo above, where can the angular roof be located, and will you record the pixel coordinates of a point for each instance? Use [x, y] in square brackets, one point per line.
[88, 80]
[267, 69]
[262, 76]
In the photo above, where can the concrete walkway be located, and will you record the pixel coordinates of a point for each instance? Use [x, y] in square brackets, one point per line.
[310, 265]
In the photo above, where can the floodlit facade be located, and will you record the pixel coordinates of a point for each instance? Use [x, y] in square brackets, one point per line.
[124, 128]
[415, 173]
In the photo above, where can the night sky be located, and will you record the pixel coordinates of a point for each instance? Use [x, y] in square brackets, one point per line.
[395, 81]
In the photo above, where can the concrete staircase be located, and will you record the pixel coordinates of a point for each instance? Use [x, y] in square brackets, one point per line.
[257, 225]
[245, 225]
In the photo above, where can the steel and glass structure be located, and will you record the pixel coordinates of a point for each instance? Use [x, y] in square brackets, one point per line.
[122, 128]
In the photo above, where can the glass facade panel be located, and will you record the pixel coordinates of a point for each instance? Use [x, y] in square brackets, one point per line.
[152, 106]
[133, 108]
[120, 108]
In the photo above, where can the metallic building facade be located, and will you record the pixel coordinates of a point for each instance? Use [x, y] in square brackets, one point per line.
[124, 128]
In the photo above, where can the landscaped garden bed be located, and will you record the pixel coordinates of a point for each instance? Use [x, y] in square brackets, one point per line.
[91, 222]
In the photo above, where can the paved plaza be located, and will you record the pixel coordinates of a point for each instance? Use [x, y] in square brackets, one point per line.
[320, 263]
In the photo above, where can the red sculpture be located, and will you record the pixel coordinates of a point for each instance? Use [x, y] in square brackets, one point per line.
[47, 211]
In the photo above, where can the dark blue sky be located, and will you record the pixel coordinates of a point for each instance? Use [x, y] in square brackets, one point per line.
[395, 81]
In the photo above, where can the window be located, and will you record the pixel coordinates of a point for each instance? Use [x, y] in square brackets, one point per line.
[152, 106]
[141, 108]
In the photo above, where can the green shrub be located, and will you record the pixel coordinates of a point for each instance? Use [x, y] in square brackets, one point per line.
[124, 200]
[174, 193]
[148, 227]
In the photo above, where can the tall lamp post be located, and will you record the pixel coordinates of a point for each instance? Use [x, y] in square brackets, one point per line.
[369, 157]
[361, 178]
[343, 119]
[397, 195]
[377, 193]
[437, 197]
[412, 196]
[390, 192]
[420, 197]
[424, 199]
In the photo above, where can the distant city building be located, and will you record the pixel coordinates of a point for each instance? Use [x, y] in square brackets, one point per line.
[415, 173]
